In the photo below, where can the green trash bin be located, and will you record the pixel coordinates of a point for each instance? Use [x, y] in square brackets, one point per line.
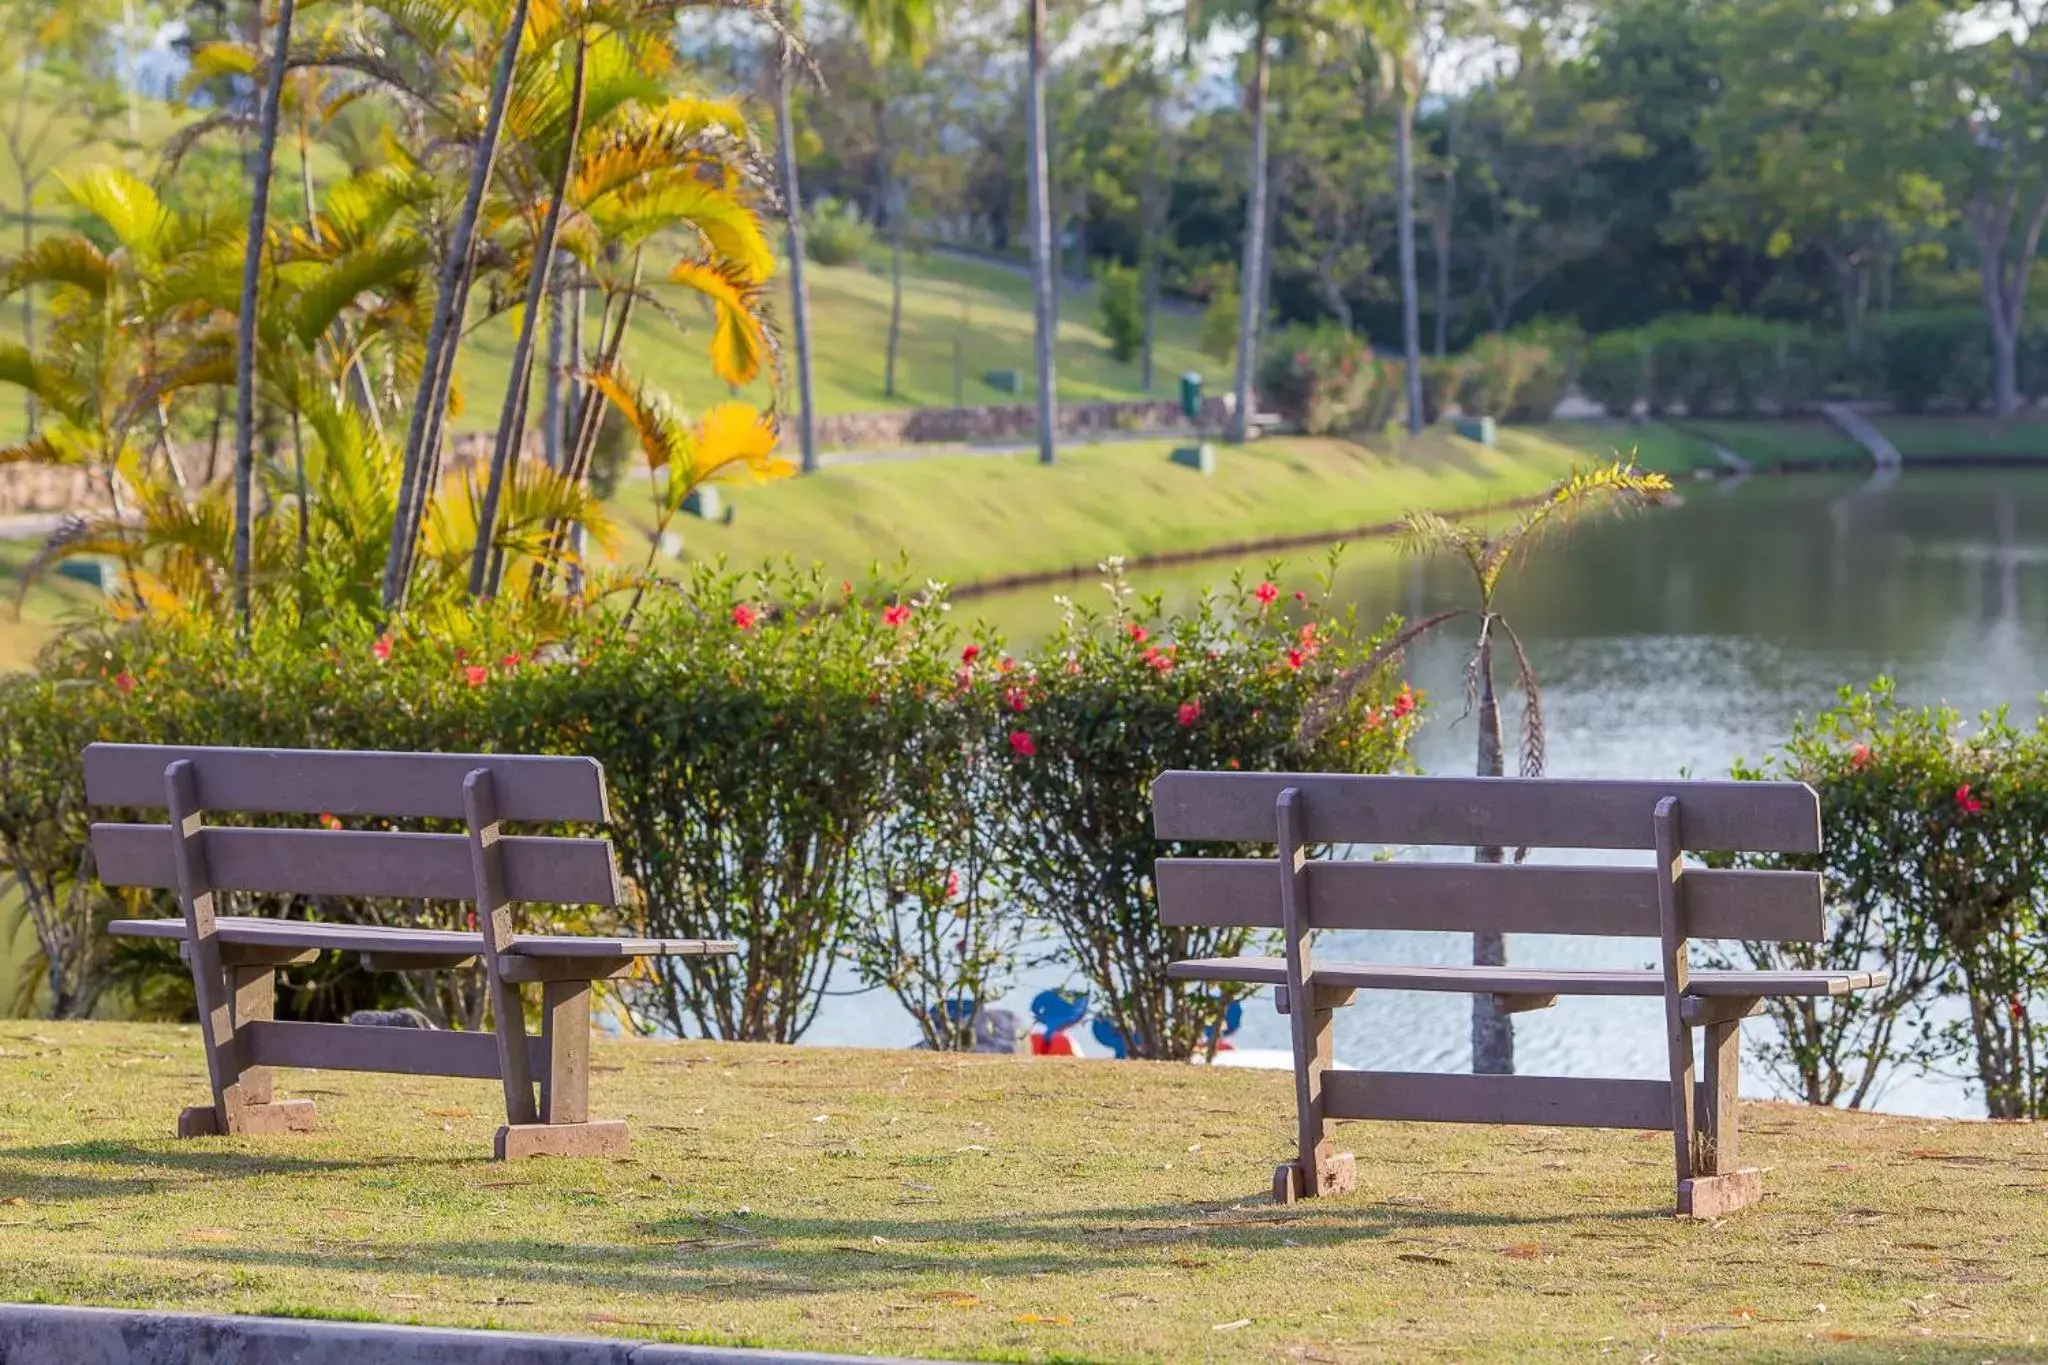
[1191, 396]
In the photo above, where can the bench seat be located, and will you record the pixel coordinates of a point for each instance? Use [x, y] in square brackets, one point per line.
[1523, 980]
[253, 931]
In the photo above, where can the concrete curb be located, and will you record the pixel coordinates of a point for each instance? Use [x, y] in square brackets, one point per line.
[38, 1334]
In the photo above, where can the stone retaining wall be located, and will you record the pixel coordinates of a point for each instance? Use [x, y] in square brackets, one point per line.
[1001, 422]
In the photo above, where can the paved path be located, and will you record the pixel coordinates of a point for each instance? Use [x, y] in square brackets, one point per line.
[39, 1334]
[1857, 428]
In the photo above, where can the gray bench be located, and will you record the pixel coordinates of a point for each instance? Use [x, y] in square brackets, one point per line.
[1296, 895]
[234, 960]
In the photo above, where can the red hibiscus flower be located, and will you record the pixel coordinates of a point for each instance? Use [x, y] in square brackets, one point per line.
[1140, 635]
[1016, 698]
[327, 821]
[510, 661]
[1161, 662]
[476, 675]
[125, 681]
[381, 651]
[952, 885]
[1295, 658]
[1404, 703]
[1189, 713]
[1970, 804]
[896, 616]
[1859, 757]
[745, 616]
[1265, 592]
[970, 654]
[1021, 744]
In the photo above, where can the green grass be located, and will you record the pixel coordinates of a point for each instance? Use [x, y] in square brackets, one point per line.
[985, 307]
[1652, 445]
[972, 518]
[1003, 1208]
[1930, 438]
[1800, 440]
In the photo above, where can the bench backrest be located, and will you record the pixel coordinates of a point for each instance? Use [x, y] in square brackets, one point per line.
[1499, 812]
[341, 783]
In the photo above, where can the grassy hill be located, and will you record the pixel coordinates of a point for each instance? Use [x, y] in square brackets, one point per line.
[1004, 1208]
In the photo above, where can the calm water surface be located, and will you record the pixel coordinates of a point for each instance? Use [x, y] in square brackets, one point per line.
[1671, 642]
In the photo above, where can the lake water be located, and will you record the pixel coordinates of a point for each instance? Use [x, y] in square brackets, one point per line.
[1671, 642]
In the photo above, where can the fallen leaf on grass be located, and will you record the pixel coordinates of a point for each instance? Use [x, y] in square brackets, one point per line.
[453, 1113]
[1417, 1258]
[1231, 1326]
[1042, 1320]
[1527, 1251]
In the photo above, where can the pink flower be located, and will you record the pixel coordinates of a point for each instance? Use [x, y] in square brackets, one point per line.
[745, 616]
[1301, 597]
[1859, 757]
[1139, 635]
[896, 616]
[1372, 717]
[1970, 804]
[963, 678]
[1006, 664]
[1189, 713]
[1021, 744]
[1016, 698]
[476, 675]
[125, 681]
[952, 885]
[381, 651]
[1404, 703]
[1265, 592]
[970, 654]
[1295, 658]
[510, 661]
[1161, 662]
[327, 821]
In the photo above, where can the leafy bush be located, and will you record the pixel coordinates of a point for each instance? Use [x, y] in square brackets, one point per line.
[824, 775]
[836, 233]
[1326, 379]
[1217, 336]
[1712, 365]
[1936, 856]
[1518, 376]
[1121, 695]
[1123, 311]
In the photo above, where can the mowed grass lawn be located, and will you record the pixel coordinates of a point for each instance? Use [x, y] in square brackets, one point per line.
[974, 518]
[1004, 1208]
[1977, 435]
[946, 299]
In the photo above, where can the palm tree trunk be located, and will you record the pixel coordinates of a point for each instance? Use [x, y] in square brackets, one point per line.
[1443, 234]
[896, 216]
[1493, 1033]
[424, 430]
[28, 302]
[519, 385]
[1254, 239]
[245, 335]
[1042, 281]
[551, 391]
[799, 296]
[1404, 191]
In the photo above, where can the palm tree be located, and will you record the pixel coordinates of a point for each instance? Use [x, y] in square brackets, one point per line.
[1489, 555]
[245, 344]
[1204, 14]
[1038, 173]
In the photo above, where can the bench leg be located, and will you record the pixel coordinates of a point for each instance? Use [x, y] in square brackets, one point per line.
[252, 998]
[1316, 1170]
[565, 1128]
[1719, 1185]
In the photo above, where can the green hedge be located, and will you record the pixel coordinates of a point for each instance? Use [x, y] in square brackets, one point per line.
[1936, 858]
[840, 780]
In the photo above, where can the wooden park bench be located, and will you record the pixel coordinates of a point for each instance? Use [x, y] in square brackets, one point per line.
[1670, 902]
[234, 960]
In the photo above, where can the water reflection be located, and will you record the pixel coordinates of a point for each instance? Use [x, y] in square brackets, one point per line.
[1667, 643]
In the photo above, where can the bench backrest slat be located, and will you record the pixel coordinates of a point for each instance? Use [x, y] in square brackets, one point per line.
[323, 862]
[529, 788]
[1616, 902]
[1502, 812]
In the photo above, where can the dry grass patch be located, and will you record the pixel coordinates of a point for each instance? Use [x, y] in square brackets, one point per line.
[1004, 1209]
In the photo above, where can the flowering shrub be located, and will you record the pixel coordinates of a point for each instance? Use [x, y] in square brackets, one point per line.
[826, 775]
[1325, 379]
[1936, 856]
[1117, 697]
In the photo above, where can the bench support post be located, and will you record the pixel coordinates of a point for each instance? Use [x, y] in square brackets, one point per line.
[1316, 1170]
[494, 923]
[1677, 977]
[1720, 1185]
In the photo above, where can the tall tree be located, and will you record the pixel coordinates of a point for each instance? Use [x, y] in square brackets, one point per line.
[1037, 172]
[793, 220]
[245, 345]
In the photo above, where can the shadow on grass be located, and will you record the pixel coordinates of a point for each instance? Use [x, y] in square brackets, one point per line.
[772, 1256]
[179, 1165]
